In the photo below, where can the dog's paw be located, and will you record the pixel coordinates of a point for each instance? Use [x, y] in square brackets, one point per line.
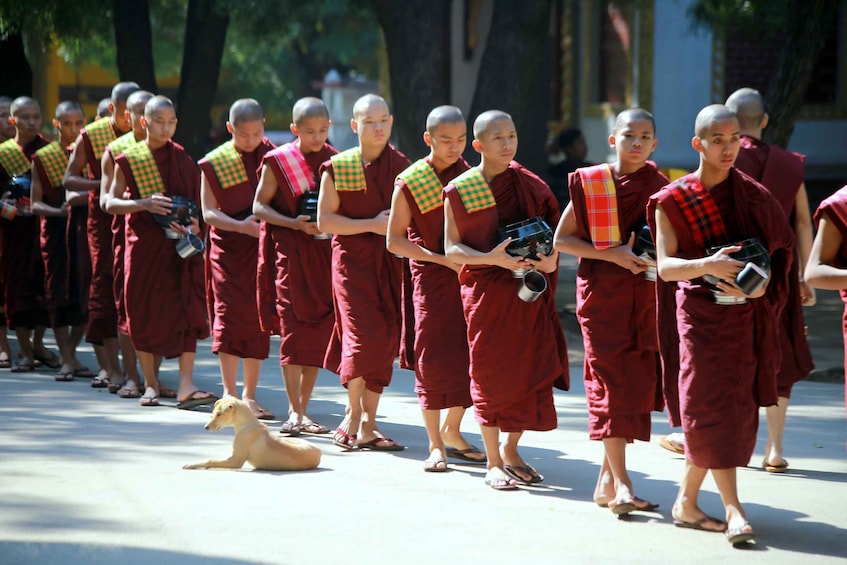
[195, 466]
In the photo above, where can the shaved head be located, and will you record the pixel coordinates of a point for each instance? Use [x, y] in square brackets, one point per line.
[157, 104]
[443, 115]
[122, 90]
[749, 106]
[634, 115]
[68, 107]
[137, 101]
[22, 102]
[308, 108]
[711, 115]
[366, 102]
[103, 108]
[484, 121]
[245, 110]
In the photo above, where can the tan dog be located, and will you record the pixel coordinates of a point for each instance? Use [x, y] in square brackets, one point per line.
[255, 444]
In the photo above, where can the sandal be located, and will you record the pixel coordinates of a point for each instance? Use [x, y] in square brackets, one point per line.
[344, 440]
[115, 387]
[291, 428]
[128, 390]
[84, 373]
[312, 427]
[49, 360]
[64, 376]
[23, 367]
[100, 382]
[149, 400]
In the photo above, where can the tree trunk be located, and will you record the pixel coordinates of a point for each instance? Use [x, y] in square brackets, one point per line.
[513, 68]
[804, 40]
[16, 78]
[134, 43]
[417, 39]
[205, 35]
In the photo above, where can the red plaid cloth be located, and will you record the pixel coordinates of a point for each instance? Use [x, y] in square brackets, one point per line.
[601, 205]
[294, 167]
[699, 209]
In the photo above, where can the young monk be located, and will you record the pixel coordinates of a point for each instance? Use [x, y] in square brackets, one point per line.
[781, 172]
[48, 201]
[164, 293]
[23, 270]
[102, 328]
[512, 369]
[295, 268]
[353, 205]
[7, 131]
[103, 109]
[229, 179]
[728, 352]
[616, 304]
[128, 384]
[416, 231]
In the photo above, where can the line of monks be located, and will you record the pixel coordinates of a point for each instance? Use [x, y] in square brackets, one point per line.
[356, 257]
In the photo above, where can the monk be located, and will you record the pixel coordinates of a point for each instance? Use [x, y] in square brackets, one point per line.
[229, 179]
[295, 267]
[164, 293]
[353, 205]
[7, 131]
[512, 369]
[103, 109]
[781, 172]
[128, 384]
[728, 351]
[616, 304]
[102, 327]
[827, 267]
[23, 271]
[48, 202]
[440, 347]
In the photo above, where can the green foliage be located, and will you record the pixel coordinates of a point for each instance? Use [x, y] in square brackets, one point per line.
[761, 17]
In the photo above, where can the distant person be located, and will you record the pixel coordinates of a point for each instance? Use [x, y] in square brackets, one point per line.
[7, 131]
[566, 155]
[104, 109]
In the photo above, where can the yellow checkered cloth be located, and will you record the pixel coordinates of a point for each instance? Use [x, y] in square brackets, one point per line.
[228, 166]
[145, 171]
[474, 190]
[100, 134]
[424, 185]
[601, 205]
[13, 159]
[54, 158]
[121, 144]
[348, 170]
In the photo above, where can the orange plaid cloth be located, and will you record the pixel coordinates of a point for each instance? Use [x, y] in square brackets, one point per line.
[423, 184]
[13, 159]
[348, 171]
[100, 134]
[54, 159]
[601, 205]
[145, 171]
[120, 145]
[228, 166]
[474, 190]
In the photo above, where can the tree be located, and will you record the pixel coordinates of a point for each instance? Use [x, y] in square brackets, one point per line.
[134, 42]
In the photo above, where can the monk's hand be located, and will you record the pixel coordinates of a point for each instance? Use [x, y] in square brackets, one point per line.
[807, 294]
[722, 266]
[250, 226]
[194, 227]
[623, 257]
[380, 223]
[306, 225]
[545, 263]
[64, 209]
[157, 204]
[499, 257]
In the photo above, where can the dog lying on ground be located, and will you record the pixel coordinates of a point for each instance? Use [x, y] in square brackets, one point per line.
[255, 444]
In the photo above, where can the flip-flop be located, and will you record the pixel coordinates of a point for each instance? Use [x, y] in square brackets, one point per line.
[779, 468]
[432, 465]
[5, 363]
[698, 524]
[671, 446]
[100, 382]
[64, 376]
[192, 401]
[515, 472]
[148, 401]
[313, 427]
[115, 387]
[373, 445]
[128, 390]
[84, 373]
[500, 483]
[463, 454]
[737, 536]
[344, 440]
[293, 429]
[23, 367]
[51, 361]
[625, 508]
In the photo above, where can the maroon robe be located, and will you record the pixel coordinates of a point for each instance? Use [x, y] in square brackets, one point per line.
[118, 228]
[781, 172]
[617, 313]
[23, 269]
[297, 276]
[102, 313]
[165, 294]
[728, 354]
[231, 266]
[440, 358]
[517, 348]
[62, 304]
[835, 208]
[366, 282]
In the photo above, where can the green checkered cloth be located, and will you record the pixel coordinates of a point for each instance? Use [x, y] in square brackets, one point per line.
[145, 171]
[228, 166]
[121, 144]
[423, 184]
[474, 190]
[13, 159]
[100, 134]
[54, 160]
[348, 170]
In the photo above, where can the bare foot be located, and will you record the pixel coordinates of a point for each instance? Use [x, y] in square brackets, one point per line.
[497, 479]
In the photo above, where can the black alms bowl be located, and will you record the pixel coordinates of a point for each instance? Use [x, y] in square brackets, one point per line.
[530, 238]
[183, 209]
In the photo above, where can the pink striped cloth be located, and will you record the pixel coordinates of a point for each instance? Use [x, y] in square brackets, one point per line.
[297, 172]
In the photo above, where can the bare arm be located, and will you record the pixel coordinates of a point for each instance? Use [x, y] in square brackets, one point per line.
[39, 207]
[458, 252]
[263, 210]
[819, 272]
[803, 231]
[215, 217]
[76, 185]
[117, 204]
[397, 241]
[330, 221]
[107, 166]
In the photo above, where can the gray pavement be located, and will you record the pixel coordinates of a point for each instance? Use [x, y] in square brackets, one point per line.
[87, 477]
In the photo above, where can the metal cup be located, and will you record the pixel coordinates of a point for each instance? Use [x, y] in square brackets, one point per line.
[189, 245]
[532, 286]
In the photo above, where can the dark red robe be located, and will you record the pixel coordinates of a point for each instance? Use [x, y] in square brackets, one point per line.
[102, 313]
[23, 269]
[62, 305]
[366, 282]
[440, 359]
[781, 172]
[617, 312]
[231, 266]
[165, 294]
[517, 348]
[728, 354]
[297, 276]
[118, 247]
[835, 208]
